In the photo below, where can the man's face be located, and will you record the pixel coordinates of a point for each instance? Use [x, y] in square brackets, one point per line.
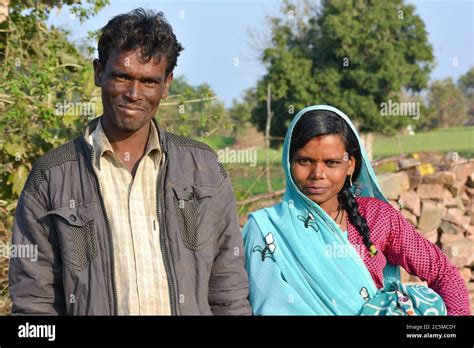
[131, 90]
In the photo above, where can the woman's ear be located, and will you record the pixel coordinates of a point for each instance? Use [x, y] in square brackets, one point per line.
[352, 165]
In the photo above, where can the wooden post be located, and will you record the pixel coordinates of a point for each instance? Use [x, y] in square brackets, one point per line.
[267, 137]
[368, 141]
[4, 4]
[400, 148]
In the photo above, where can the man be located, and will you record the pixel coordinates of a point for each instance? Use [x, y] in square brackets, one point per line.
[129, 219]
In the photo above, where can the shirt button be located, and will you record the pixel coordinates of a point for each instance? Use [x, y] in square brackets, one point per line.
[73, 218]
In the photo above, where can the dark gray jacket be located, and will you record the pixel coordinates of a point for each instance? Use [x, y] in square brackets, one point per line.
[73, 275]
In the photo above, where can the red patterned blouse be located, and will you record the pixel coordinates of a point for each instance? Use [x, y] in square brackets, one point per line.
[400, 244]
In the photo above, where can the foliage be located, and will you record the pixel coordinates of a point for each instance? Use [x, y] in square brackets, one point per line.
[217, 142]
[351, 54]
[42, 9]
[466, 83]
[447, 105]
[193, 111]
[241, 110]
[46, 92]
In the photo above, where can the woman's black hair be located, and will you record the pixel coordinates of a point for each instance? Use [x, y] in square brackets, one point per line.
[321, 122]
[145, 30]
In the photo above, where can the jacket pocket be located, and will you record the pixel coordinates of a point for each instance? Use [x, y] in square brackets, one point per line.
[195, 214]
[77, 235]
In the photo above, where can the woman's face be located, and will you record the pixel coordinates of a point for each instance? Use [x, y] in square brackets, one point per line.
[320, 168]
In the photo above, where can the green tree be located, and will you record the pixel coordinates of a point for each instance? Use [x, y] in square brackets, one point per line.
[447, 106]
[355, 55]
[241, 110]
[193, 110]
[46, 90]
[466, 84]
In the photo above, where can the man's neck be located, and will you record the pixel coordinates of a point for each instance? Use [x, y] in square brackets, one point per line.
[129, 147]
[133, 143]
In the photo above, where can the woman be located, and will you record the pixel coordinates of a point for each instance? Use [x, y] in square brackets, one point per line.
[323, 249]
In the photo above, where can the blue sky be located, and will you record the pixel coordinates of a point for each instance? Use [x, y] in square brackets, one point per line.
[219, 50]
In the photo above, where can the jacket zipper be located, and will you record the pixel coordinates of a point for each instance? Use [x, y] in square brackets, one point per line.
[107, 223]
[162, 238]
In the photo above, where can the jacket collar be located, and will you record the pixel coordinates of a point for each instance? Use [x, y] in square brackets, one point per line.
[92, 125]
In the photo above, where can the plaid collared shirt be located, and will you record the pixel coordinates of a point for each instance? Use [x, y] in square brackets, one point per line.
[131, 206]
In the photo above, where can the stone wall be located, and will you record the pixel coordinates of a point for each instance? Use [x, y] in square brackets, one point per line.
[440, 206]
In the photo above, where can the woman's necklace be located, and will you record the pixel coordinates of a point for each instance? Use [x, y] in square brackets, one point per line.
[339, 210]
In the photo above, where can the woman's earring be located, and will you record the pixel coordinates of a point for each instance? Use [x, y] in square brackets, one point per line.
[350, 180]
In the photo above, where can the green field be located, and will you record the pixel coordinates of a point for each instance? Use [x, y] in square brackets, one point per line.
[459, 139]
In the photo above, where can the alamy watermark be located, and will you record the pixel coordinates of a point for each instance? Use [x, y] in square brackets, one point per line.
[243, 156]
[335, 250]
[74, 109]
[391, 108]
[27, 251]
[37, 331]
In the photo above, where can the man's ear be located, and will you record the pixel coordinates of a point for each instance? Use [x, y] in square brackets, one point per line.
[168, 82]
[98, 72]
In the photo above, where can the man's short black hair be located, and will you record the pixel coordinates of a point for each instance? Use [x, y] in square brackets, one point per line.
[145, 30]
